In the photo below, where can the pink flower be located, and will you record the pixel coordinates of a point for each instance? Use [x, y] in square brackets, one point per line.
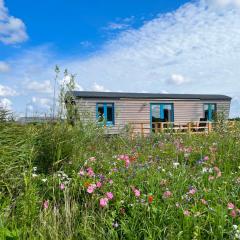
[62, 186]
[99, 184]
[167, 194]
[137, 192]
[186, 213]
[233, 213]
[91, 188]
[103, 202]
[109, 195]
[206, 158]
[210, 178]
[110, 181]
[81, 172]
[90, 172]
[230, 206]
[45, 204]
[192, 191]
[217, 170]
[203, 201]
[92, 159]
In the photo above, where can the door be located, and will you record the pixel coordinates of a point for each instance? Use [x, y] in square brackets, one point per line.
[161, 112]
[210, 111]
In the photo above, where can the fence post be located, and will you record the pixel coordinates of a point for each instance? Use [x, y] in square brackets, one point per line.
[155, 127]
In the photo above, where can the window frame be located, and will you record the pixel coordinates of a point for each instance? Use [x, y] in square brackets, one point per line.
[105, 123]
[210, 115]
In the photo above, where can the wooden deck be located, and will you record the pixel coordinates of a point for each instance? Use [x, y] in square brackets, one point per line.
[144, 128]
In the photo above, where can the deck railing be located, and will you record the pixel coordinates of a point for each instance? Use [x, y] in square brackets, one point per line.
[144, 128]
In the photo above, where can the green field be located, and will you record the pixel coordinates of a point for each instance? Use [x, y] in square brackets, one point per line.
[64, 182]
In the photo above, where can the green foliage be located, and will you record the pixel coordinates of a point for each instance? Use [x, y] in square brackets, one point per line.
[44, 181]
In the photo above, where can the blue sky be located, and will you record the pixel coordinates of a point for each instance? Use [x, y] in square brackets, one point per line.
[135, 45]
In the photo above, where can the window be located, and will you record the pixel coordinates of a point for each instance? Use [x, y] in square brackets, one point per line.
[210, 111]
[105, 113]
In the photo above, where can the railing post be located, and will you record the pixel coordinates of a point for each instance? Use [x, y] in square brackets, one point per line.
[189, 127]
[161, 126]
[209, 127]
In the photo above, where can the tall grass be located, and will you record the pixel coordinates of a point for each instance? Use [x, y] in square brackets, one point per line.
[185, 182]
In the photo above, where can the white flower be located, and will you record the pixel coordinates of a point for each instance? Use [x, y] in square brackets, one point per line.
[176, 164]
[34, 169]
[235, 227]
[34, 175]
[44, 180]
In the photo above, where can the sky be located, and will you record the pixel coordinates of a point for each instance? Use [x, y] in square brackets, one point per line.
[174, 46]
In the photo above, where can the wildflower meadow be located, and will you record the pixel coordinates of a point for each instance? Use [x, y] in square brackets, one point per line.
[59, 181]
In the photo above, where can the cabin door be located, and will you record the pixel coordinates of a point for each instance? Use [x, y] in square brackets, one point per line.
[161, 112]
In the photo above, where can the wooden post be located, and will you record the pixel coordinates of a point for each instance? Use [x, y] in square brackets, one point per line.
[161, 127]
[142, 130]
[209, 127]
[155, 127]
[189, 127]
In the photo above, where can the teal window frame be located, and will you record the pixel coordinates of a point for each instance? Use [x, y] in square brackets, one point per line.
[210, 115]
[107, 123]
[161, 105]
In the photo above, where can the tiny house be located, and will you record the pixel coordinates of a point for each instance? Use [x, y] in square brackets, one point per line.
[115, 110]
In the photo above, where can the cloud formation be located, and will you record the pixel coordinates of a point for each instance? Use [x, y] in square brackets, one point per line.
[6, 91]
[12, 29]
[196, 44]
[4, 67]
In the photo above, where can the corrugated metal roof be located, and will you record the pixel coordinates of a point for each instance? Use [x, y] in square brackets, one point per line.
[118, 95]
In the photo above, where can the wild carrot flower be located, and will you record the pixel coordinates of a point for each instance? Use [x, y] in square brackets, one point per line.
[45, 204]
[103, 202]
[231, 206]
[167, 194]
[109, 195]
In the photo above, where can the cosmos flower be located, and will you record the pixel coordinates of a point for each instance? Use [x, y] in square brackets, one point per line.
[109, 195]
[103, 202]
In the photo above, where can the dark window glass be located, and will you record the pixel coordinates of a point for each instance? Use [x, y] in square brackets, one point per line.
[109, 112]
[100, 112]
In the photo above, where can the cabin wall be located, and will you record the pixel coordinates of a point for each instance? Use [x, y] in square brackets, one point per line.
[138, 110]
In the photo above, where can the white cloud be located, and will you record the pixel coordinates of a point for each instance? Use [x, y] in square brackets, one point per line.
[177, 79]
[7, 91]
[41, 87]
[99, 88]
[225, 3]
[12, 29]
[42, 103]
[4, 67]
[5, 103]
